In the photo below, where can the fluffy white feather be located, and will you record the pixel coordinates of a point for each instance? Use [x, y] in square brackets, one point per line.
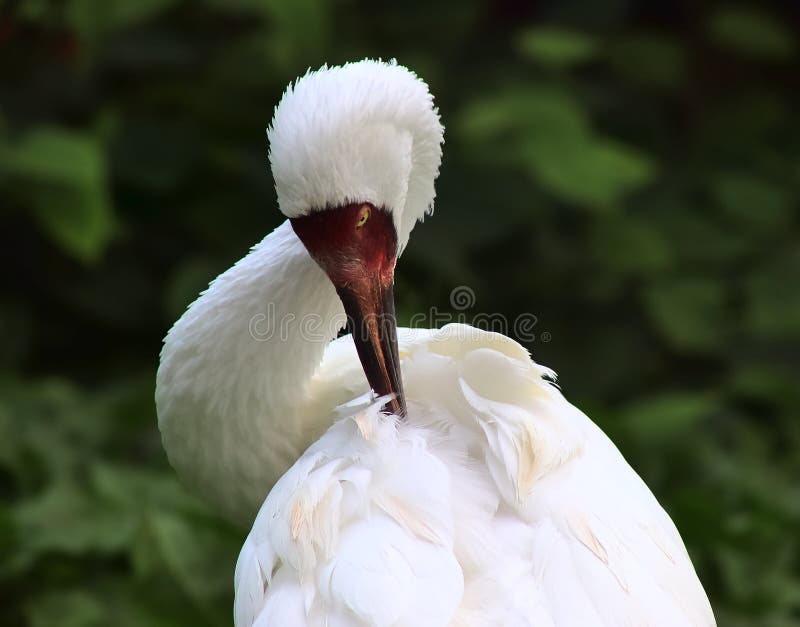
[234, 407]
[362, 132]
[475, 511]
[231, 385]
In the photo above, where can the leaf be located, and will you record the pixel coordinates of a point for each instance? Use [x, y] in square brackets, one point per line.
[539, 111]
[186, 282]
[94, 20]
[767, 382]
[237, 7]
[545, 131]
[701, 239]
[773, 299]
[668, 416]
[63, 175]
[61, 424]
[649, 59]
[588, 171]
[130, 488]
[689, 313]
[32, 10]
[753, 202]
[74, 608]
[68, 519]
[299, 29]
[155, 154]
[752, 33]
[628, 245]
[199, 557]
[9, 540]
[54, 155]
[556, 48]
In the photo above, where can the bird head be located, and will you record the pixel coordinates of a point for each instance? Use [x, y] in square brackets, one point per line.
[354, 152]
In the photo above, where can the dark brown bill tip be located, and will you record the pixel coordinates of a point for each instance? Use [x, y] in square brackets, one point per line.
[372, 323]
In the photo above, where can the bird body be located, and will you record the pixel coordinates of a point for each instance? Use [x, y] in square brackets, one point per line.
[495, 503]
[466, 492]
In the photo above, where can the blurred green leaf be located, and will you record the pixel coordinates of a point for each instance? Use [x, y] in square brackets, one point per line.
[298, 29]
[760, 483]
[154, 154]
[768, 382]
[545, 131]
[256, 7]
[594, 173]
[668, 416]
[93, 20]
[539, 111]
[689, 312]
[188, 280]
[556, 47]
[629, 245]
[47, 442]
[64, 178]
[701, 239]
[198, 557]
[73, 608]
[32, 9]
[773, 300]
[752, 201]
[752, 32]
[54, 155]
[128, 488]
[67, 518]
[649, 59]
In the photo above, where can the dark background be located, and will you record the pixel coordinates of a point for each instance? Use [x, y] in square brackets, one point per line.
[629, 172]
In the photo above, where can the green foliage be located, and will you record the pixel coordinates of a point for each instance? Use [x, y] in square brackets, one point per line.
[589, 171]
[555, 47]
[651, 59]
[752, 32]
[63, 180]
[92, 20]
[753, 202]
[626, 171]
[104, 525]
[546, 132]
[690, 313]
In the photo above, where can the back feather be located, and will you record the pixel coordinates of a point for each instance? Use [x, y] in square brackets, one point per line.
[495, 503]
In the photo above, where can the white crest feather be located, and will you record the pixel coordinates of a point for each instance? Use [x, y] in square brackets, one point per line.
[362, 132]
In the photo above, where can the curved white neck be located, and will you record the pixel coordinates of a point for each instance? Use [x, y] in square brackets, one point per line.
[235, 368]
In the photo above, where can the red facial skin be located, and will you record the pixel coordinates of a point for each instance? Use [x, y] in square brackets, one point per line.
[356, 246]
[350, 254]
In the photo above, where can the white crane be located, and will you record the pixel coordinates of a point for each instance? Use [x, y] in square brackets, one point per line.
[467, 492]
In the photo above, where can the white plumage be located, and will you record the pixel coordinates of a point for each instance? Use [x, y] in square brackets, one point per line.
[363, 132]
[494, 502]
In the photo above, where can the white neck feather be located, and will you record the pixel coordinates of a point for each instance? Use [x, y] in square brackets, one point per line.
[235, 368]
[233, 398]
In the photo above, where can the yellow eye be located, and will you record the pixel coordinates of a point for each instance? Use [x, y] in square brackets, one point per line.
[363, 219]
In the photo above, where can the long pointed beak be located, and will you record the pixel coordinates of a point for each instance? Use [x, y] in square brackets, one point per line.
[371, 320]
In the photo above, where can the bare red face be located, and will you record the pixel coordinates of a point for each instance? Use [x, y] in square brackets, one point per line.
[353, 244]
[356, 246]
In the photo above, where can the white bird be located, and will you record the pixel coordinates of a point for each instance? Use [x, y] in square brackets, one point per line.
[470, 493]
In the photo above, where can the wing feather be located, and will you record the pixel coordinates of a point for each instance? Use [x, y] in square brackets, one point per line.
[495, 503]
